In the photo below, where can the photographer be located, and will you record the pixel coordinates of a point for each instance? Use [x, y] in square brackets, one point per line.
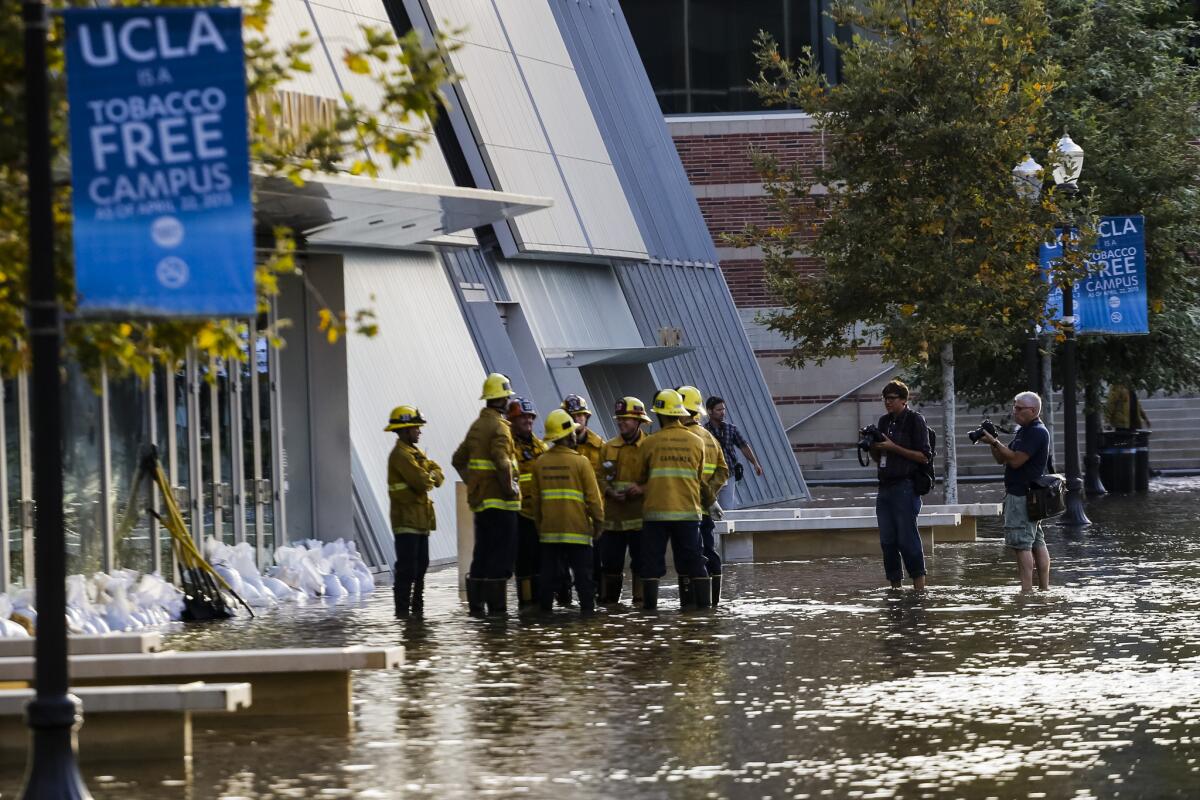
[1024, 459]
[902, 444]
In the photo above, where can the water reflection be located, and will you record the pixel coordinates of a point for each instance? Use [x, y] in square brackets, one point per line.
[811, 681]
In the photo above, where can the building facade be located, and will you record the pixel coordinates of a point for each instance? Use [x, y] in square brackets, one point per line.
[548, 232]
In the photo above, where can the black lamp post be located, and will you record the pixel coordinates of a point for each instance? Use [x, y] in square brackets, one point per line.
[1066, 175]
[53, 715]
[1027, 181]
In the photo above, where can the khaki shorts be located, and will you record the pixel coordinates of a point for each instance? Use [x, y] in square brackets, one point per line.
[1019, 532]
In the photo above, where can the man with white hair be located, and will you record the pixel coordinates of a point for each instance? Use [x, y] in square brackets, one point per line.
[1024, 459]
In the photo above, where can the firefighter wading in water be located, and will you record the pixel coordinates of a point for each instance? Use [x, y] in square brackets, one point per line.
[589, 444]
[487, 461]
[620, 468]
[716, 472]
[567, 510]
[521, 416]
[411, 475]
[671, 476]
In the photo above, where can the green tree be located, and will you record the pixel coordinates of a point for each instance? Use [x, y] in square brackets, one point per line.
[408, 73]
[925, 245]
[1128, 93]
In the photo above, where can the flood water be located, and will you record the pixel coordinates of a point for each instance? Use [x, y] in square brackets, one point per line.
[810, 680]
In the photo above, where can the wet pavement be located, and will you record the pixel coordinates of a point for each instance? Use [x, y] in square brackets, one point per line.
[810, 680]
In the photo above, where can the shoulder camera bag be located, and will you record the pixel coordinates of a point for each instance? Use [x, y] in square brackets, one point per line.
[1047, 497]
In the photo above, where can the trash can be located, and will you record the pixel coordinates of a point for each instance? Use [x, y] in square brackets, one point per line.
[1141, 445]
[1118, 460]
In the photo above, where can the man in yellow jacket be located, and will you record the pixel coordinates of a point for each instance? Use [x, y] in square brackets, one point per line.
[620, 468]
[567, 510]
[411, 476]
[716, 472]
[521, 415]
[671, 476]
[487, 461]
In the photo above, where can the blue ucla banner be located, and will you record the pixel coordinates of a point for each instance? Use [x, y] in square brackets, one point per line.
[1112, 298]
[159, 162]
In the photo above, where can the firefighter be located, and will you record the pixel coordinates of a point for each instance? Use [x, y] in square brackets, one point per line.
[589, 444]
[672, 471]
[716, 471]
[620, 467]
[521, 415]
[567, 510]
[487, 461]
[411, 476]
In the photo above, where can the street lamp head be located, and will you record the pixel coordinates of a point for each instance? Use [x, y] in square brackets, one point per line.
[1027, 179]
[1070, 162]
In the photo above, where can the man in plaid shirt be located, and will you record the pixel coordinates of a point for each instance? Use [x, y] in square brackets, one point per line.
[731, 440]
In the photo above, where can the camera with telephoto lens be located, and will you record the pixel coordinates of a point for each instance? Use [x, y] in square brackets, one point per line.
[984, 427]
[868, 436]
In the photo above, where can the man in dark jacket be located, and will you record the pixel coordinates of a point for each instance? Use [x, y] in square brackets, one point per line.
[903, 448]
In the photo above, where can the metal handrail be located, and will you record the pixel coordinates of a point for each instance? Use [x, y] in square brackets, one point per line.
[839, 398]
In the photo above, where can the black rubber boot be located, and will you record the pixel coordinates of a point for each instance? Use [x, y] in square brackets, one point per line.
[563, 595]
[612, 589]
[475, 605]
[702, 592]
[686, 600]
[636, 597]
[587, 607]
[496, 596]
[650, 594]
[716, 589]
[418, 599]
[402, 594]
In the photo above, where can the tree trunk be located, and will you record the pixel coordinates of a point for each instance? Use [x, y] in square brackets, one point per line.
[950, 487]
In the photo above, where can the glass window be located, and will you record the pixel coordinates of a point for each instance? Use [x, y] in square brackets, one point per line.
[699, 54]
[128, 434]
[659, 30]
[82, 522]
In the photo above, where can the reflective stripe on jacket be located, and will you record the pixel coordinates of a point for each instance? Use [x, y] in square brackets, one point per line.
[716, 469]
[487, 461]
[527, 453]
[620, 468]
[411, 476]
[566, 497]
[672, 473]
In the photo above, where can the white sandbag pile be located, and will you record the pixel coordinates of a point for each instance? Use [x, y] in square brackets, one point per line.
[323, 569]
[126, 600]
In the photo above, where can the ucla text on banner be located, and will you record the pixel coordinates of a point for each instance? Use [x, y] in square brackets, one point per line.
[159, 162]
[1112, 298]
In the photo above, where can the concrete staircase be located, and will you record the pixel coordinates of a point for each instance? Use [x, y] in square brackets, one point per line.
[1174, 446]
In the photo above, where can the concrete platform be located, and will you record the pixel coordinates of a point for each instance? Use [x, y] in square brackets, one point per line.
[127, 723]
[747, 540]
[286, 682]
[90, 645]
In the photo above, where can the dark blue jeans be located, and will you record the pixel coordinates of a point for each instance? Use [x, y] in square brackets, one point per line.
[896, 508]
[685, 548]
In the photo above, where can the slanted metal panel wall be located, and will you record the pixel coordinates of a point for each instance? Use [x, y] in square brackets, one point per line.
[696, 299]
[334, 25]
[572, 305]
[619, 92]
[533, 125]
[470, 265]
[423, 355]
